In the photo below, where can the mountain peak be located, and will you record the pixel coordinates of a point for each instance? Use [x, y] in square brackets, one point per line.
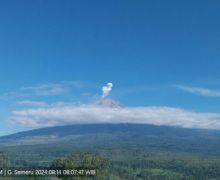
[104, 102]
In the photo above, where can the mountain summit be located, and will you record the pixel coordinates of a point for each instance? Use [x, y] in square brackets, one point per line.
[108, 103]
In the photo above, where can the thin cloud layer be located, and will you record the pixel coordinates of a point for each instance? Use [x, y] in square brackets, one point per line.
[47, 89]
[44, 90]
[82, 114]
[199, 91]
[32, 103]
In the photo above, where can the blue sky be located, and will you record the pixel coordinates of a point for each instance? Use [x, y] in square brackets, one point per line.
[156, 53]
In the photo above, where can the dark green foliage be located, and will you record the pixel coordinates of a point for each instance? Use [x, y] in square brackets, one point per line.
[159, 174]
[4, 162]
[84, 161]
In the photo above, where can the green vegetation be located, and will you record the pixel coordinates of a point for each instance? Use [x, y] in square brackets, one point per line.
[4, 162]
[134, 164]
[83, 160]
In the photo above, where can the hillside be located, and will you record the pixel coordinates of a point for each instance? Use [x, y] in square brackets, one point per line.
[131, 135]
[134, 150]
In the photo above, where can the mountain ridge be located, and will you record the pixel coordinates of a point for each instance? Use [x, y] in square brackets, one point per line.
[115, 136]
[110, 128]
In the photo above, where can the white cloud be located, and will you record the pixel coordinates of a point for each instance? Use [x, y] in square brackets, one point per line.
[32, 103]
[46, 89]
[199, 91]
[80, 114]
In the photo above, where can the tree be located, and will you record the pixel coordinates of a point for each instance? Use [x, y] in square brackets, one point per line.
[84, 161]
[4, 162]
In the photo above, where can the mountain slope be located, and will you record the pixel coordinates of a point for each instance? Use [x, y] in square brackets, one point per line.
[131, 148]
[123, 135]
[138, 129]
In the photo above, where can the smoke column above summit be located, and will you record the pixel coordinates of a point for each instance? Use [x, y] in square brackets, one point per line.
[106, 89]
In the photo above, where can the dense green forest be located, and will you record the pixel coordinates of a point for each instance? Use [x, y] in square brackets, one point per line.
[126, 164]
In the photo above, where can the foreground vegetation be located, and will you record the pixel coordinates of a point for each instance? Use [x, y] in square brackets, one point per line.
[127, 164]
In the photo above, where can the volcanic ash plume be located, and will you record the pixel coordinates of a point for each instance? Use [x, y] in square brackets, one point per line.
[106, 89]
